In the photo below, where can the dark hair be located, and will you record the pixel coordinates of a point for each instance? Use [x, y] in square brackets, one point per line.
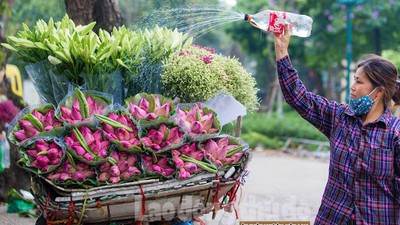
[382, 73]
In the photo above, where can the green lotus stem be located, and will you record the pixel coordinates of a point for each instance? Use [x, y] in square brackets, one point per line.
[83, 105]
[35, 122]
[112, 122]
[206, 166]
[42, 153]
[82, 141]
[234, 151]
[71, 160]
[112, 161]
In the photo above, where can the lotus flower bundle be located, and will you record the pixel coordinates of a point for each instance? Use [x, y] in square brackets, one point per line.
[197, 120]
[221, 152]
[160, 166]
[149, 107]
[79, 108]
[189, 160]
[72, 171]
[7, 112]
[88, 146]
[163, 138]
[43, 155]
[120, 130]
[120, 166]
[34, 123]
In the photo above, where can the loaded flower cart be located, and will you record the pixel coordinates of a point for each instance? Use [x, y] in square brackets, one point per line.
[130, 129]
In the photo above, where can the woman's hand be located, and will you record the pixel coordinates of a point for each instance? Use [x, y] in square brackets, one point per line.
[282, 43]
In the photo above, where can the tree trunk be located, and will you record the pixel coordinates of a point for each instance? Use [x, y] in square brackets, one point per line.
[105, 13]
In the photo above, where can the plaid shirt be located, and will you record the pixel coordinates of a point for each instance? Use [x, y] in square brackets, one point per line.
[364, 167]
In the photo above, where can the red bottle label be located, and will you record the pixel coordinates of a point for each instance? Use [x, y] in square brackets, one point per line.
[276, 21]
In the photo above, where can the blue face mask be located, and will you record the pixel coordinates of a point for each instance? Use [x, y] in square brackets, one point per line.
[362, 105]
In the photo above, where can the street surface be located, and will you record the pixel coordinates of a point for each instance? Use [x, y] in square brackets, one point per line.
[280, 187]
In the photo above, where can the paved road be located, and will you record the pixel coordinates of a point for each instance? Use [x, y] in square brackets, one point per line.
[279, 187]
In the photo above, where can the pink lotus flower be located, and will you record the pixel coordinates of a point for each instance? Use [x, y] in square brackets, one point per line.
[74, 114]
[220, 152]
[44, 155]
[161, 166]
[123, 166]
[162, 138]
[79, 172]
[150, 110]
[186, 169]
[128, 138]
[196, 121]
[95, 145]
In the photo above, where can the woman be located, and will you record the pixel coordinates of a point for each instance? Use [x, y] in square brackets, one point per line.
[364, 173]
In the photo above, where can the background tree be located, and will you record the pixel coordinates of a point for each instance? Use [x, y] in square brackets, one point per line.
[105, 12]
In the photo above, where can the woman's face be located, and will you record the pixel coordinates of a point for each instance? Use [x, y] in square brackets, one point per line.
[362, 85]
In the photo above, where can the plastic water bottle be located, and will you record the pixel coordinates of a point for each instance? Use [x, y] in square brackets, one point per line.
[273, 21]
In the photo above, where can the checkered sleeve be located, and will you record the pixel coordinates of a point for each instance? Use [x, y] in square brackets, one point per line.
[314, 108]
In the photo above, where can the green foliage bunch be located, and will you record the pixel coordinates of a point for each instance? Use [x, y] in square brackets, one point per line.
[77, 50]
[196, 74]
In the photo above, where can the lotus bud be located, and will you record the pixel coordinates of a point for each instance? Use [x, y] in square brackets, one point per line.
[88, 136]
[133, 171]
[79, 176]
[178, 161]
[122, 134]
[79, 150]
[66, 113]
[38, 115]
[104, 176]
[197, 127]
[75, 113]
[52, 154]
[69, 141]
[137, 112]
[111, 136]
[91, 104]
[115, 171]
[163, 110]
[157, 137]
[42, 160]
[41, 145]
[211, 147]
[32, 153]
[107, 128]
[122, 119]
[183, 174]
[53, 176]
[115, 180]
[88, 157]
[125, 175]
[151, 116]
[102, 153]
[168, 171]
[64, 176]
[131, 160]
[144, 104]
[123, 166]
[55, 161]
[156, 168]
[105, 167]
[20, 135]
